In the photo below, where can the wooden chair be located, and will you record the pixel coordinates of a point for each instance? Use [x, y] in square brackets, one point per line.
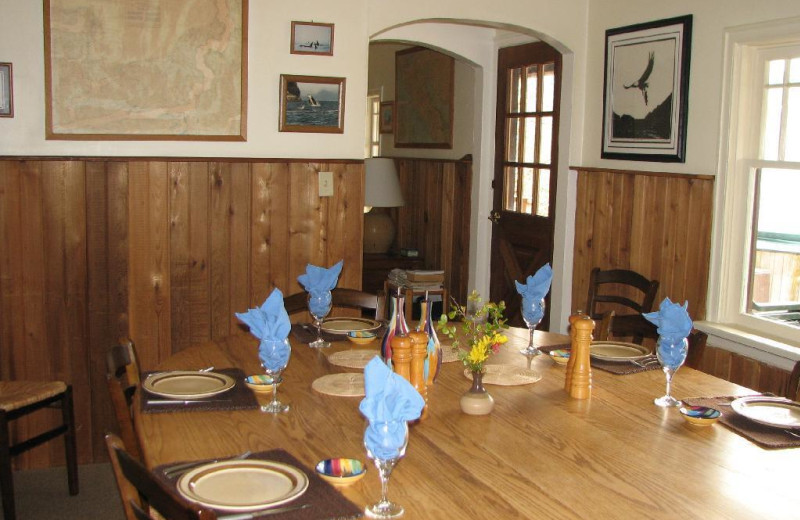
[375, 304]
[123, 377]
[19, 398]
[793, 385]
[140, 488]
[601, 280]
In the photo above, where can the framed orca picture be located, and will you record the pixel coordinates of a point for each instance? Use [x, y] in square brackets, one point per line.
[646, 89]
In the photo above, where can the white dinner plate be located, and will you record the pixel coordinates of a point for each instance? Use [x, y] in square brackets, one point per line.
[345, 325]
[618, 351]
[188, 385]
[770, 411]
[243, 485]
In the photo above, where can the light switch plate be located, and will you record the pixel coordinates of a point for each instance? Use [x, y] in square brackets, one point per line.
[326, 184]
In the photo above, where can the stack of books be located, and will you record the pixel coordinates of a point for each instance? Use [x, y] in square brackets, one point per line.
[421, 280]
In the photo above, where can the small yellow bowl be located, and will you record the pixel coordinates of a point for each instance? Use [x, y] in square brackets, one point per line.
[259, 383]
[361, 337]
[341, 471]
[700, 415]
[560, 356]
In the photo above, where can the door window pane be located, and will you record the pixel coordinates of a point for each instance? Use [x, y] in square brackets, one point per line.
[545, 139]
[530, 140]
[510, 189]
[548, 87]
[526, 205]
[531, 88]
[543, 193]
[515, 91]
[512, 139]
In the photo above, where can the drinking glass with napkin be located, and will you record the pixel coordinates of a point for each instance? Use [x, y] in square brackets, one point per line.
[389, 398]
[535, 289]
[674, 325]
[320, 279]
[270, 323]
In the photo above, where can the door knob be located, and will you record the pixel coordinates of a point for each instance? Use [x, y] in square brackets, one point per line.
[494, 216]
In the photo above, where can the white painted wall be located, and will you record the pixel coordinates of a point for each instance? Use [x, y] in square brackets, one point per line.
[21, 42]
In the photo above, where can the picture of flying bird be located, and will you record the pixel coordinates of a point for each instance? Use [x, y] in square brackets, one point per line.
[641, 83]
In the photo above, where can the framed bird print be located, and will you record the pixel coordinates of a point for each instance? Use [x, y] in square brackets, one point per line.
[645, 92]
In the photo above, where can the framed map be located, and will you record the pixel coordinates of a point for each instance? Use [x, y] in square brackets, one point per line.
[423, 108]
[123, 70]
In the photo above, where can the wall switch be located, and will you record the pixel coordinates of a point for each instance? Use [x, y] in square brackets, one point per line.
[326, 184]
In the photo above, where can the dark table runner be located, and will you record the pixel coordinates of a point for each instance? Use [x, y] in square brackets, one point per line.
[617, 368]
[326, 501]
[762, 435]
[237, 398]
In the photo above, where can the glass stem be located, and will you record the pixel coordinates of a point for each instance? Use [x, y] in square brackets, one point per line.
[384, 470]
[530, 340]
[668, 373]
[318, 326]
[274, 392]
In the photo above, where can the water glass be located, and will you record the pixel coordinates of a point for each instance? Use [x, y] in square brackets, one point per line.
[386, 444]
[671, 355]
[319, 305]
[274, 358]
[532, 314]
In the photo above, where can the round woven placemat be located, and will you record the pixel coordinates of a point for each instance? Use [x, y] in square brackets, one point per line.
[506, 375]
[353, 358]
[448, 356]
[349, 384]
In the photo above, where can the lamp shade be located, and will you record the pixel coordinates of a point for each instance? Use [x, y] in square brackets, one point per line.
[382, 188]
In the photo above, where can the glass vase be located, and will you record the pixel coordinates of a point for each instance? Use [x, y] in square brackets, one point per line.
[397, 326]
[433, 362]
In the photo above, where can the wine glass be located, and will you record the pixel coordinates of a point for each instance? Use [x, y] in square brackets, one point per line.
[671, 354]
[319, 305]
[532, 314]
[386, 443]
[274, 356]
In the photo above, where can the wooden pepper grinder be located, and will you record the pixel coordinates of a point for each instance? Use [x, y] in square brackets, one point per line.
[581, 384]
[571, 361]
[419, 351]
[401, 356]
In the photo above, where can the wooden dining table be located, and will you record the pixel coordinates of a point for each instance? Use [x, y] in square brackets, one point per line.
[538, 454]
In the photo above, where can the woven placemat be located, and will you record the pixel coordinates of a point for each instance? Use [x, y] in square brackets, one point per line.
[506, 375]
[760, 434]
[614, 367]
[448, 354]
[348, 384]
[237, 398]
[357, 358]
[325, 500]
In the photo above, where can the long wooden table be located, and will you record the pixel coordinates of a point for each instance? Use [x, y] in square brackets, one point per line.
[538, 455]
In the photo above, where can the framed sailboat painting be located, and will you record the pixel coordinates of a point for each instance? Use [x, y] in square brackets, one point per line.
[646, 89]
[311, 104]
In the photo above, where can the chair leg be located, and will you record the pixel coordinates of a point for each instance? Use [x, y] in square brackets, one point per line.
[6, 475]
[69, 441]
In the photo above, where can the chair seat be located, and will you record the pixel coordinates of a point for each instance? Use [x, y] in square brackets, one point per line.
[18, 394]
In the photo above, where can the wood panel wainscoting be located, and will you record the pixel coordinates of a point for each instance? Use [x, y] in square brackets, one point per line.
[162, 250]
[436, 216]
[658, 224]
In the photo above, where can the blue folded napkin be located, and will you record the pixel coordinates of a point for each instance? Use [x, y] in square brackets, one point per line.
[533, 292]
[389, 398]
[270, 323]
[320, 279]
[674, 325]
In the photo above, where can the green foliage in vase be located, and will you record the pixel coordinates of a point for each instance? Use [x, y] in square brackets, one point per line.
[478, 325]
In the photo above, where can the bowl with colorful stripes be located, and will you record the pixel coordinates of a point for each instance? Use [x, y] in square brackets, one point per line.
[341, 471]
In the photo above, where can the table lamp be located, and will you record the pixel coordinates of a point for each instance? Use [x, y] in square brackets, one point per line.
[382, 190]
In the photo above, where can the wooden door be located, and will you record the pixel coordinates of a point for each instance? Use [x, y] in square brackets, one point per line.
[526, 152]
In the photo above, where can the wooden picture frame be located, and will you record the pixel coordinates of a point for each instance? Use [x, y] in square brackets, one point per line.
[312, 38]
[311, 104]
[424, 87]
[646, 89]
[129, 82]
[386, 117]
[6, 90]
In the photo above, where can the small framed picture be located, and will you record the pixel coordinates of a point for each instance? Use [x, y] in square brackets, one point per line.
[646, 89]
[387, 117]
[311, 104]
[6, 91]
[312, 38]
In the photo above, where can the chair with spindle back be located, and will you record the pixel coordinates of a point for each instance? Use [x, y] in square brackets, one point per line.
[140, 488]
[622, 325]
[18, 399]
[123, 378]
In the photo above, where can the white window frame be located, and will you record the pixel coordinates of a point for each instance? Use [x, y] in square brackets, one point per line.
[745, 49]
[374, 98]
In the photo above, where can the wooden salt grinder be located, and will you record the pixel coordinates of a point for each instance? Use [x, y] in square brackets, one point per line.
[581, 387]
[401, 356]
[571, 361]
[419, 351]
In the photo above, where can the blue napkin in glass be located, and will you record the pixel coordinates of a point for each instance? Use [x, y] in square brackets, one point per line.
[674, 325]
[320, 279]
[270, 323]
[388, 398]
[533, 291]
